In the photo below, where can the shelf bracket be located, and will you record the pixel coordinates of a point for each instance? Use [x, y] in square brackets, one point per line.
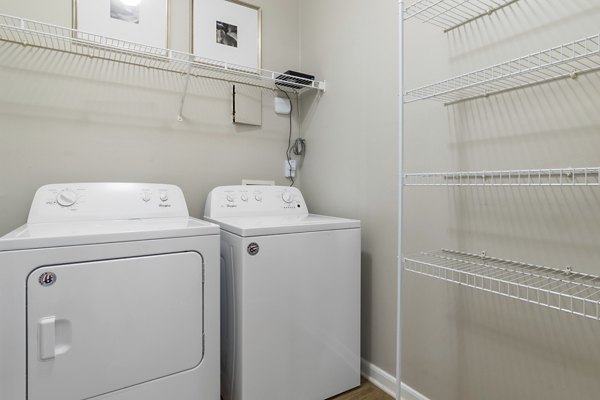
[188, 76]
[323, 86]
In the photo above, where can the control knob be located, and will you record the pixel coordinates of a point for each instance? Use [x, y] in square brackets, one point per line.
[164, 195]
[66, 198]
[258, 197]
[287, 197]
[244, 197]
[230, 198]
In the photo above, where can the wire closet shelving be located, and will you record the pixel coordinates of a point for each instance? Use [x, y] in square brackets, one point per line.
[46, 36]
[564, 61]
[563, 290]
[531, 177]
[451, 14]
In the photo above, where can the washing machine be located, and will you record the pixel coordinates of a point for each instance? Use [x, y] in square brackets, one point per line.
[290, 296]
[111, 292]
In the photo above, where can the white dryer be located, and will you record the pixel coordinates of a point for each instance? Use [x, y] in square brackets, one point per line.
[110, 291]
[290, 296]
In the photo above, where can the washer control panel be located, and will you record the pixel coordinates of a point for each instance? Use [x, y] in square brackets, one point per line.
[234, 201]
[106, 201]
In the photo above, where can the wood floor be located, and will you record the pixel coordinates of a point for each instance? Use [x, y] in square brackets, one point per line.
[366, 391]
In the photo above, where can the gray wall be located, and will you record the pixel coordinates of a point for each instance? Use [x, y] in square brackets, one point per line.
[64, 119]
[351, 163]
[460, 344]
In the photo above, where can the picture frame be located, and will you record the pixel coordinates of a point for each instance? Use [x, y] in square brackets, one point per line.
[143, 22]
[227, 31]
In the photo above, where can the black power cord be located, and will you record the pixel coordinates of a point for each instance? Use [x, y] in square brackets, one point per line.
[299, 144]
[299, 147]
[289, 147]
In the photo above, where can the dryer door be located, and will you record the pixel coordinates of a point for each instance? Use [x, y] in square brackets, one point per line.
[101, 326]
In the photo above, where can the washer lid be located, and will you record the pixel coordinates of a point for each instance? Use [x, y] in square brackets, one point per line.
[275, 225]
[58, 234]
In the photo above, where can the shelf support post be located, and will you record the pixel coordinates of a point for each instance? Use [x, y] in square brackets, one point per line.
[400, 260]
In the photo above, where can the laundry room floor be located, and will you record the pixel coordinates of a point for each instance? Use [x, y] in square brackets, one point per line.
[366, 391]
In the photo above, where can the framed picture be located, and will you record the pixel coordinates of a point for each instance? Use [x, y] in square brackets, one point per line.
[228, 31]
[140, 21]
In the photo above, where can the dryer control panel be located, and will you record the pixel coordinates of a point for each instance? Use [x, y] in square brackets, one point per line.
[237, 201]
[106, 201]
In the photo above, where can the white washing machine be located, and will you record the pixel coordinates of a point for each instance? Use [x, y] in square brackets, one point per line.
[290, 296]
[110, 291]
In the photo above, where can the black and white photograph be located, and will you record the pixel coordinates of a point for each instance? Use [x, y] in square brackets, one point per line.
[142, 22]
[227, 34]
[227, 31]
[125, 10]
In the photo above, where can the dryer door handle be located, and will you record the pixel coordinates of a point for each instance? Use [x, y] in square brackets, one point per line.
[47, 337]
[54, 337]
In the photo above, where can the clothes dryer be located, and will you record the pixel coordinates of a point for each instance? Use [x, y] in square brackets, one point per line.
[110, 291]
[290, 296]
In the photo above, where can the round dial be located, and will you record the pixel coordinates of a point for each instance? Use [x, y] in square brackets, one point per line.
[164, 196]
[244, 197]
[66, 198]
[146, 196]
[229, 198]
[287, 197]
[258, 197]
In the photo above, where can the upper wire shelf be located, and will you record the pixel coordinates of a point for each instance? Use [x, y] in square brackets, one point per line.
[567, 60]
[451, 14]
[530, 177]
[563, 290]
[57, 38]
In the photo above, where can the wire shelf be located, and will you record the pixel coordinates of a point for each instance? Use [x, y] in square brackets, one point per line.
[563, 290]
[451, 14]
[52, 37]
[531, 177]
[567, 60]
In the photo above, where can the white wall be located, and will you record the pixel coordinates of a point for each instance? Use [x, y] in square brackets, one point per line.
[68, 119]
[460, 344]
[351, 131]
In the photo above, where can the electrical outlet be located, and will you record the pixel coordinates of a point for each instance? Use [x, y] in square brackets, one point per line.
[289, 168]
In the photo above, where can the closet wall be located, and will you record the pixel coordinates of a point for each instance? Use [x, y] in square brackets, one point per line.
[462, 344]
[67, 119]
[351, 167]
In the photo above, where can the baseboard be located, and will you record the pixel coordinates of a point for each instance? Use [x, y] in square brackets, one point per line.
[387, 382]
[409, 393]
